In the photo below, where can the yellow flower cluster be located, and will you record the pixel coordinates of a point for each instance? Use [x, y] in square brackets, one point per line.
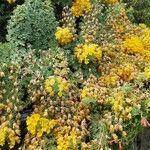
[79, 7]
[121, 106]
[89, 92]
[11, 1]
[133, 45]
[3, 132]
[8, 133]
[142, 25]
[126, 72]
[67, 142]
[109, 80]
[93, 90]
[111, 2]
[13, 139]
[139, 44]
[64, 35]
[145, 37]
[37, 125]
[147, 73]
[62, 84]
[147, 56]
[88, 52]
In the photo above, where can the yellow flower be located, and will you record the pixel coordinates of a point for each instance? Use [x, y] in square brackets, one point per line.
[133, 45]
[111, 2]
[115, 137]
[37, 125]
[73, 138]
[63, 85]
[43, 126]
[3, 132]
[88, 52]
[142, 25]
[124, 134]
[109, 80]
[64, 35]
[66, 142]
[90, 92]
[13, 139]
[79, 7]
[84, 93]
[145, 38]
[122, 106]
[147, 73]
[126, 72]
[62, 143]
[32, 122]
[147, 55]
[2, 106]
[8, 133]
[11, 1]
[52, 123]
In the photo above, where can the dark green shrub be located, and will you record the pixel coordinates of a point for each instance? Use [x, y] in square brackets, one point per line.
[5, 13]
[33, 23]
[139, 10]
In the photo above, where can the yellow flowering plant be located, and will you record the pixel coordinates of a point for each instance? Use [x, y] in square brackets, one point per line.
[126, 72]
[67, 32]
[38, 125]
[138, 44]
[8, 134]
[56, 84]
[64, 35]
[86, 53]
[79, 7]
[147, 73]
[134, 45]
[11, 1]
[67, 142]
[111, 2]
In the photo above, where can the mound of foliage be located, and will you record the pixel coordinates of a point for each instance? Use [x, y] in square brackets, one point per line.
[138, 10]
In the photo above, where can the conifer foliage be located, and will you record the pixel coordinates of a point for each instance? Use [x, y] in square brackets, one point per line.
[33, 23]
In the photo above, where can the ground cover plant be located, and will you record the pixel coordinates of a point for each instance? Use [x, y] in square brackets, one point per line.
[79, 80]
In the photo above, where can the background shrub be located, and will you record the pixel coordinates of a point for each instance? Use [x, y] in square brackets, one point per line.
[5, 13]
[139, 10]
[33, 23]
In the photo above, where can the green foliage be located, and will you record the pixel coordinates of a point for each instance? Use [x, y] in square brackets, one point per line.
[99, 133]
[5, 50]
[50, 143]
[88, 101]
[147, 103]
[5, 13]
[9, 53]
[126, 88]
[62, 2]
[33, 23]
[134, 131]
[10, 88]
[139, 10]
